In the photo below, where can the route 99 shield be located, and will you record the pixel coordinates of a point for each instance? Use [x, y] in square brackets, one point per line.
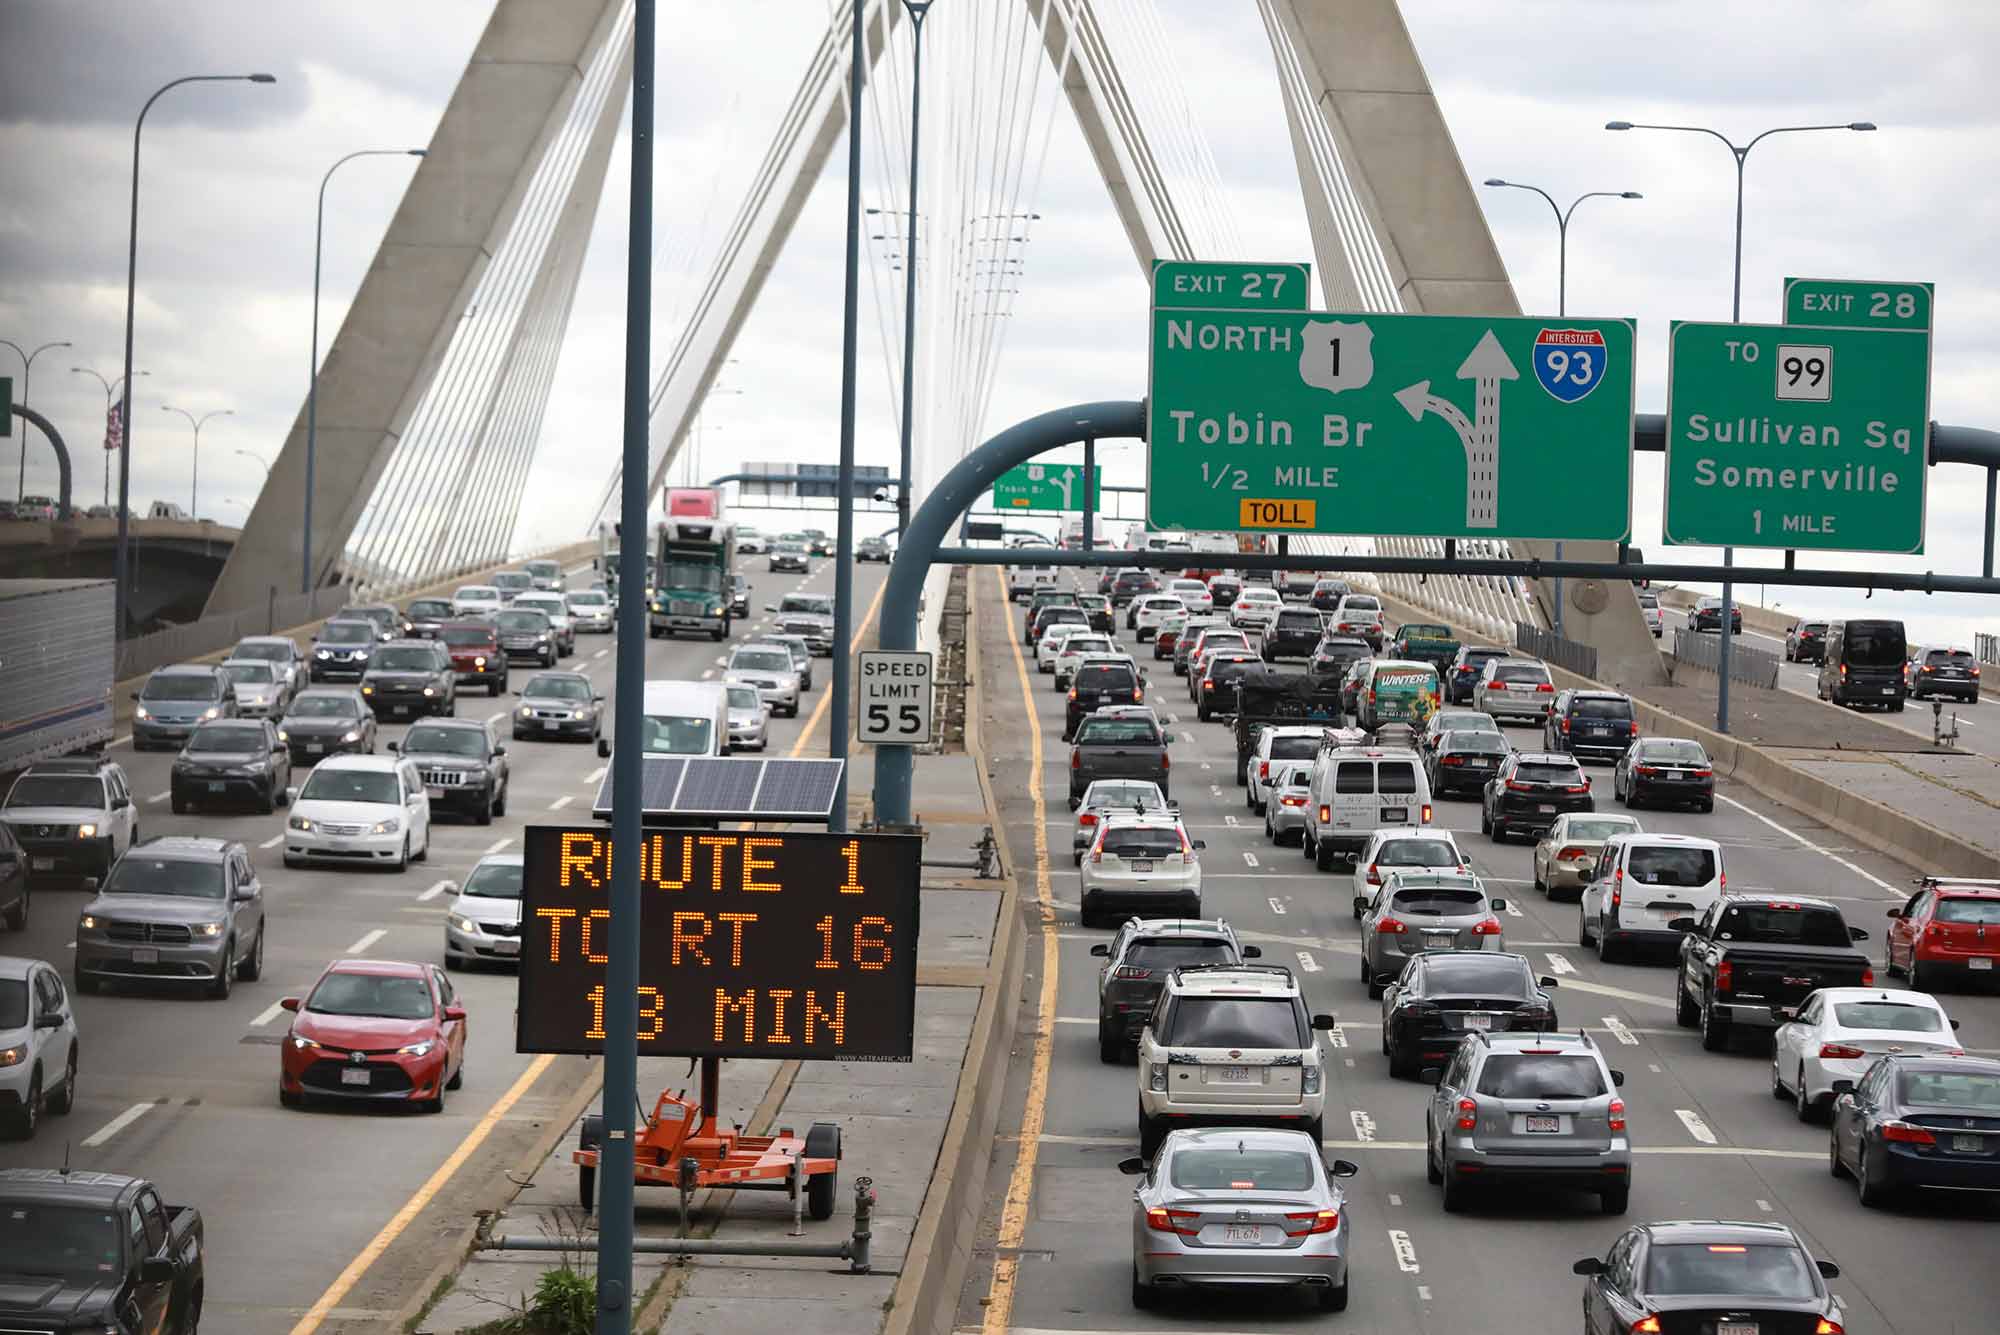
[751, 943]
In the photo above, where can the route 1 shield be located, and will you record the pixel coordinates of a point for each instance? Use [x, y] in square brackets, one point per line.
[1569, 363]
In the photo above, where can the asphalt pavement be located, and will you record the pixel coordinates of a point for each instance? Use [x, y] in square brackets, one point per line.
[1054, 1254]
[183, 1090]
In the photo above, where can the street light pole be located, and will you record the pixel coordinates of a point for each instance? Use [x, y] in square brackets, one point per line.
[27, 373]
[194, 483]
[110, 388]
[850, 344]
[312, 383]
[123, 558]
[918, 9]
[257, 459]
[1740, 153]
[1562, 292]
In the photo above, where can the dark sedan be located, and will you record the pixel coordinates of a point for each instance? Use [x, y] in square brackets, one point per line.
[231, 760]
[1129, 584]
[873, 549]
[1671, 771]
[1707, 615]
[1918, 1122]
[1443, 995]
[327, 721]
[1463, 761]
[1098, 608]
[1710, 1276]
[559, 704]
[1806, 642]
[1528, 792]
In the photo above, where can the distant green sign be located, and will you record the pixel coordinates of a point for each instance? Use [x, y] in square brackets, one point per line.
[1202, 284]
[6, 405]
[1044, 487]
[1845, 303]
[1797, 436]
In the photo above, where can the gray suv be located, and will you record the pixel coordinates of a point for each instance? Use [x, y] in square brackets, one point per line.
[1420, 909]
[1136, 961]
[1535, 1109]
[176, 909]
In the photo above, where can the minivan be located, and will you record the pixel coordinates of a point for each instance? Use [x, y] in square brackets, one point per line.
[1863, 664]
[175, 699]
[683, 718]
[1357, 790]
[1642, 883]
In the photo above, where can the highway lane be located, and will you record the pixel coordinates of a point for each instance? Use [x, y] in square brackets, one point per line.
[1712, 1140]
[182, 1089]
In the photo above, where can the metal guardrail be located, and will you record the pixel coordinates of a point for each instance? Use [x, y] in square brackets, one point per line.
[1569, 655]
[1986, 648]
[1751, 667]
[177, 644]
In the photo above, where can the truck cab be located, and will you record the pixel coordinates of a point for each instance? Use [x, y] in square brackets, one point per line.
[697, 554]
[96, 1251]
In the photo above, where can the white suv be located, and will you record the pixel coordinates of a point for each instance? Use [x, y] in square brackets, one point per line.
[360, 809]
[1641, 883]
[1149, 611]
[1276, 744]
[1230, 1045]
[1142, 860]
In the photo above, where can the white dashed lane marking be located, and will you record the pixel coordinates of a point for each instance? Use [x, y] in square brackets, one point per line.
[361, 946]
[433, 892]
[1696, 1127]
[115, 1125]
[158, 798]
[273, 841]
[268, 1014]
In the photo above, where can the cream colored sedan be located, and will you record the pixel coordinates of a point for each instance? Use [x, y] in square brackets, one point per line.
[1569, 850]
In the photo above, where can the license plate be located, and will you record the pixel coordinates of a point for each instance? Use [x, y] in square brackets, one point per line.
[1391, 815]
[1886, 690]
[401, 710]
[1969, 1144]
[314, 748]
[548, 723]
[1736, 1328]
[214, 787]
[1235, 1075]
[355, 1075]
[42, 864]
[1478, 1022]
[507, 947]
[1243, 1233]
[145, 955]
[1439, 940]
[1546, 808]
[433, 793]
[1979, 964]
[1542, 1125]
[1142, 866]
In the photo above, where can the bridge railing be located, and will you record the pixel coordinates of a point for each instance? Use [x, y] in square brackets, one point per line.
[1570, 655]
[1751, 667]
[177, 644]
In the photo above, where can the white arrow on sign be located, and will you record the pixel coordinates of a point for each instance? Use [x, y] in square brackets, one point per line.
[1486, 366]
[1065, 481]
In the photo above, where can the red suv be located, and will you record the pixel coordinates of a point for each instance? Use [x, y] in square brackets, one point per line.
[476, 658]
[1951, 925]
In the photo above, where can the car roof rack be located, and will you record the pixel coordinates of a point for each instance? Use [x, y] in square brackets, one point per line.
[1276, 970]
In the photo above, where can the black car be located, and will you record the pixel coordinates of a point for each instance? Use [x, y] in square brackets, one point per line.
[1215, 693]
[1805, 642]
[559, 704]
[1129, 584]
[1327, 593]
[329, 721]
[819, 542]
[526, 633]
[1667, 770]
[1222, 591]
[1098, 685]
[1462, 673]
[1709, 1276]
[1918, 1121]
[1298, 632]
[340, 650]
[1443, 995]
[1042, 598]
[739, 597]
[1463, 761]
[1707, 615]
[231, 760]
[1134, 973]
[1528, 792]
[1098, 608]
[1591, 725]
[872, 549]
[1055, 614]
[1943, 671]
[410, 679]
[1332, 657]
[426, 616]
[464, 773]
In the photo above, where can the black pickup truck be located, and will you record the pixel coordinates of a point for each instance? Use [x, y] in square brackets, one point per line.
[1267, 696]
[69, 1261]
[1752, 959]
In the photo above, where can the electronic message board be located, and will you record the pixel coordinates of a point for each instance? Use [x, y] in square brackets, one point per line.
[751, 943]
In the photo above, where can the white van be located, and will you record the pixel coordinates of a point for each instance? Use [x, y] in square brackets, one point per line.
[1641, 883]
[683, 718]
[166, 510]
[1357, 790]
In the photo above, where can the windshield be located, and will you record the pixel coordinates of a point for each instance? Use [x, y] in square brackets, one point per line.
[760, 660]
[347, 632]
[1948, 658]
[1438, 902]
[587, 598]
[479, 594]
[512, 579]
[559, 688]
[1470, 975]
[401, 660]
[375, 995]
[1512, 672]
[1753, 1269]
[1294, 748]
[1534, 1075]
[1874, 644]
[1983, 911]
[1416, 853]
[1242, 1170]
[323, 706]
[1236, 1022]
[1791, 924]
[178, 687]
[1142, 842]
[272, 653]
[137, 874]
[1483, 743]
[676, 735]
[1122, 795]
[525, 620]
[1595, 706]
[76, 1245]
[351, 785]
[1115, 731]
[1464, 720]
[429, 609]
[56, 790]
[1166, 952]
[1951, 1089]
[1887, 1015]
[495, 880]
[545, 569]
[249, 674]
[1531, 771]
[1087, 644]
[227, 738]
[1110, 678]
[1676, 751]
[1600, 829]
[1650, 865]
[468, 635]
[744, 697]
[814, 603]
[542, 602]
[692, 575]
[434, 741]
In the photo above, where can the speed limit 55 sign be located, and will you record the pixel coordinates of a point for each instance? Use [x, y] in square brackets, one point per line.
[895, 697]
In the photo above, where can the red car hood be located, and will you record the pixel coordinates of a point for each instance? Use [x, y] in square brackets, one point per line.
[361, 1031]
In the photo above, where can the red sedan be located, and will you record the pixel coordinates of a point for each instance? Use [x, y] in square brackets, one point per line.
[374, 1031]
[1951, 925]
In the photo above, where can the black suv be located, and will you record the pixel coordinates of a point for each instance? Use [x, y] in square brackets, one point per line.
[340, 650]
[1296, 633]
[1805, 642]
[231, 760]
[1327, 593]
[1098, 685]
[463, 771]
[410, 678]
[1462, 673]
[739, 597]
[426, 616]
[1707, 615]
[1131, 583]
[1591, 725]
[1528, 792]
[1332, 657]
[1136, 963]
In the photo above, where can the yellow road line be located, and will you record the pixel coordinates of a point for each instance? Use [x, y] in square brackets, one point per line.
[1021, 1186]
[403, 1218]
[424, 1195]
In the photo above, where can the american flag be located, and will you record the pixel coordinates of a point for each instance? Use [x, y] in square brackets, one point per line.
[114, 428]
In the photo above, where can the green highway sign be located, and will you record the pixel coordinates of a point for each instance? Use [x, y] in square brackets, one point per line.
[1201, 284]
[1797, 436]
[1845, 303]
[6, 405]
[1044, 487]
[1414, 425]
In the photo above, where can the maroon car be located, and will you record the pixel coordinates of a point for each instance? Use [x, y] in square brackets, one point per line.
[476, 657]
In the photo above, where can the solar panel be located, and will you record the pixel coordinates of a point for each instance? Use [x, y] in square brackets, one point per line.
[797, 786]
[727, 788]
[719, 785]
[659, 777]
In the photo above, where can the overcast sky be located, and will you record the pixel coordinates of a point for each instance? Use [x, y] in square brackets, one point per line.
[230, 172]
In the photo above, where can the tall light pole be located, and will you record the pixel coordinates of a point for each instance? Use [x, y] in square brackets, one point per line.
[257, 459]
[312, 382]
[110, 388]
[123, 559]
[850, 345]
[194, 477]
[1562, 290]
[1739, 152]
[27, 372]
[917, 11]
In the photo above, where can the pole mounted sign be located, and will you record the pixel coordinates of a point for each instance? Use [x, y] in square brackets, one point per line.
[894, 697]
[1846, 303]
[1263, 416]
[1043, 487]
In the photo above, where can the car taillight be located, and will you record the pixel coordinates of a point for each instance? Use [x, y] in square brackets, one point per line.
[1867, 976]
[1725, 976]
[1468, 1114]
[1616, 1119]
[1392, 926]
[1840, 1051]
[1166, 761]
[1704, 774]
[1087, 819]
[1325, 813]
[1516, 786]
[1263, 769]
[1427, 814]
[1646, 1325]
[1371, 695]
[1722, 880]
[1310, 1222]
[1374, 876]
[1208, 686]
[1162, 1220]
[1928, 668]
[1544, 686]
[1565, 724]
[1292, 801]
[1451, 760]
[1617, 887]
[1138, 695]
[1573, 855]
[1072, 692]
[1496, 685]
[1635, 727]
[1577, 788]
[1827, 1326]
[1907, 1133]
[1076, 760]
[1491, 927]
[1843, 669]
[1131, 972]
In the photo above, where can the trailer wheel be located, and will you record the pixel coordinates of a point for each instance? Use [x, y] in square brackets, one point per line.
[822, 1142]
[589, 1136]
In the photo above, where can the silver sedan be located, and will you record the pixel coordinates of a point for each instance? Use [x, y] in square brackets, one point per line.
[1235, 1205]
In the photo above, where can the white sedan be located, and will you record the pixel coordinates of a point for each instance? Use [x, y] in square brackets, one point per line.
[1256, 606]
[1840, 1031]
[1075, 648]
[1193, 594]
[1051, 643]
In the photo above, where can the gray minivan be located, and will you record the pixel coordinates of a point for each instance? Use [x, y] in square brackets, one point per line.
[1863, 664]
[174, 699]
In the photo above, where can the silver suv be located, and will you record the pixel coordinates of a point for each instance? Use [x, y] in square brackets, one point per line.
[1419, 910]
[1540, 1109]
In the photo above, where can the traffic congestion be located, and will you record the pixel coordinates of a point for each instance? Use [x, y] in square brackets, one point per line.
[1424, 987]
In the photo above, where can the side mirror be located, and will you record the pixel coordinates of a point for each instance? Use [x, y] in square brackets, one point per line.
[1839, 1087]
[1893, 913]
[770, 607]
[1547, 980]
[48, 1020]
[291, 793]
[1102, 950]
[1589, 1265]
[597, 699]
[1325, 1020]
[244, 894]
[454, 1014]
[395, 746]
[1857, 933]
[1682, 925]
[1617, 1078]
[603, 748]
[288, 1003]
[1498, 905]
[160, 1270]
[498, 750]
[1783, 1014]
[1829, 1270]
[135, 695]
[1132, 1167]
[1257, 953]
[1200, 844]
[1430, 1075]
[1954, 1024]
[1343, 1168]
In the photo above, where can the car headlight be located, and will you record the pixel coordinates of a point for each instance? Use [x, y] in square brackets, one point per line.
[322, 653]
[429, 691]
[13, 1056]
[385, 826]
[210, 928]
[140, 711]
[480, 661]
[247, 769]
[418, 1049]
[87, 922]
[351, 735]
[465, 925]
[284, 736]
[86, 831]
[367, 690]
[302, 1043]
[299, 823]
